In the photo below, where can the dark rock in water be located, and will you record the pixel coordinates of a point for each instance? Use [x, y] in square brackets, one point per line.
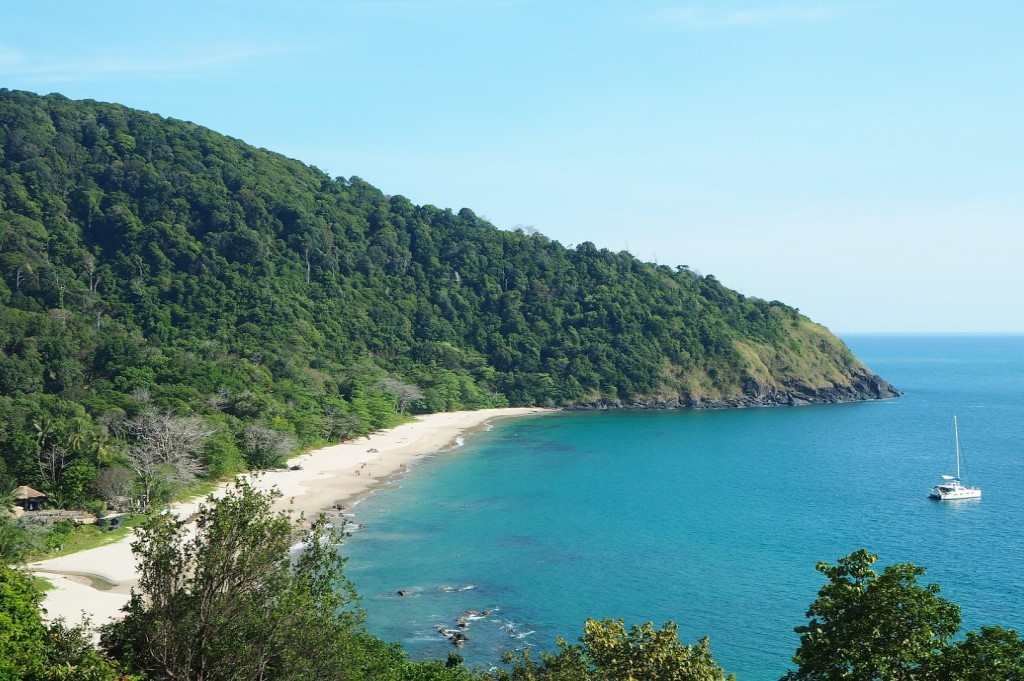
[475, 614]
[454, 636]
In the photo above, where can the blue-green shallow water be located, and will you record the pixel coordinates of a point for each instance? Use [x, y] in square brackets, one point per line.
[713, 519]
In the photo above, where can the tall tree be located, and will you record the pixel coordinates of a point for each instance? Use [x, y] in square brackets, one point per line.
[265, 447]
[405, 393]
[233, 600]
[163, 449]
[866, 626]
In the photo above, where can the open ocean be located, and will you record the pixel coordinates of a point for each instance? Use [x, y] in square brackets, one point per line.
[713, 519]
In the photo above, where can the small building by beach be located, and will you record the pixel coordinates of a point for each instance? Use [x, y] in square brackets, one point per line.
[29, 499]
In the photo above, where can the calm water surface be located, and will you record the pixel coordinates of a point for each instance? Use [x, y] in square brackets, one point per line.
[712, 519]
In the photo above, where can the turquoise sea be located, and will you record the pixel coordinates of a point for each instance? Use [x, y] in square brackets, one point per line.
[713, 519]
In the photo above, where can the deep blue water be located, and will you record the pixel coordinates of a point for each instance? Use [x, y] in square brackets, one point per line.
[713, 519]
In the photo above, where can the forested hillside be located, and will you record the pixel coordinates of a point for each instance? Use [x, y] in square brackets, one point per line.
[152, 266]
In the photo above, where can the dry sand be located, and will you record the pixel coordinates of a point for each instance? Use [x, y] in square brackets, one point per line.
[97, 582]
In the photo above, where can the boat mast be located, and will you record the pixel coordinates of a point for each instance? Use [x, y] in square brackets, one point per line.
[956, 438]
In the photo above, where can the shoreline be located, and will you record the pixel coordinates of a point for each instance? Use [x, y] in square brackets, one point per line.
[454, 443]
[330, 477]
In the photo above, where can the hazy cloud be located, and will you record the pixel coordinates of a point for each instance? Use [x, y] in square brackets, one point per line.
[706, 17]
[14, 63]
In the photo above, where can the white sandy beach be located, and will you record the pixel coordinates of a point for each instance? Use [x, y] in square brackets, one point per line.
[97, 582]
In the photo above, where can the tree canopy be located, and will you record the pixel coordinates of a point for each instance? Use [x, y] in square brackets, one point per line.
[866, 626]
[149, 265]
[607, 651]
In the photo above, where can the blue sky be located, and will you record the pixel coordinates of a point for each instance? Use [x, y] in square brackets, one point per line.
[863, 161]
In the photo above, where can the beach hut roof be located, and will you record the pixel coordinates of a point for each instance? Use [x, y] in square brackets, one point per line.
[25, 492]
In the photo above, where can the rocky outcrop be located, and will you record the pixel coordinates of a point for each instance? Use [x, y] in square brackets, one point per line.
[863, 386]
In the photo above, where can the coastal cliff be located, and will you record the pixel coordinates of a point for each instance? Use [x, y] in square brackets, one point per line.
[811, 367]
[863, 386]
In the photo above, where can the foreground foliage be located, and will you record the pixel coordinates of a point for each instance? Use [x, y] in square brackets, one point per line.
[248, 595]
[866, 626]
[608, 652]
[234, 599]
[33, 651]
[230, 602]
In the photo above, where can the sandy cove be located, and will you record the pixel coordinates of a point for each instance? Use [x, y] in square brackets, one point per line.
[97, 582]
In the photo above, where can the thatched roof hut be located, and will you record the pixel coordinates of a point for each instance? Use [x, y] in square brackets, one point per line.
[28, 498]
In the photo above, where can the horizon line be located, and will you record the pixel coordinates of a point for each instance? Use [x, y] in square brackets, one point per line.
[929, 333]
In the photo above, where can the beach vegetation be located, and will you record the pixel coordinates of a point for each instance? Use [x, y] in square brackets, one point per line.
[15, 540]
[265, 447]
[63, 539]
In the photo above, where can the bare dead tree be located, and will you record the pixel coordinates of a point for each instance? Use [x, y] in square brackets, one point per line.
[53, 461]
[340, 425]
[114, 485]
[60, 285]
[89, 264]
[219, 399]
[404, 393]
[163, 448]
[265, 447]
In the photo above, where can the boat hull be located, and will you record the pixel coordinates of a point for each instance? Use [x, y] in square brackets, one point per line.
[955, 495]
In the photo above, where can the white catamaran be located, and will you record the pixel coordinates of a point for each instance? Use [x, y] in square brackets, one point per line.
[951, 488]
